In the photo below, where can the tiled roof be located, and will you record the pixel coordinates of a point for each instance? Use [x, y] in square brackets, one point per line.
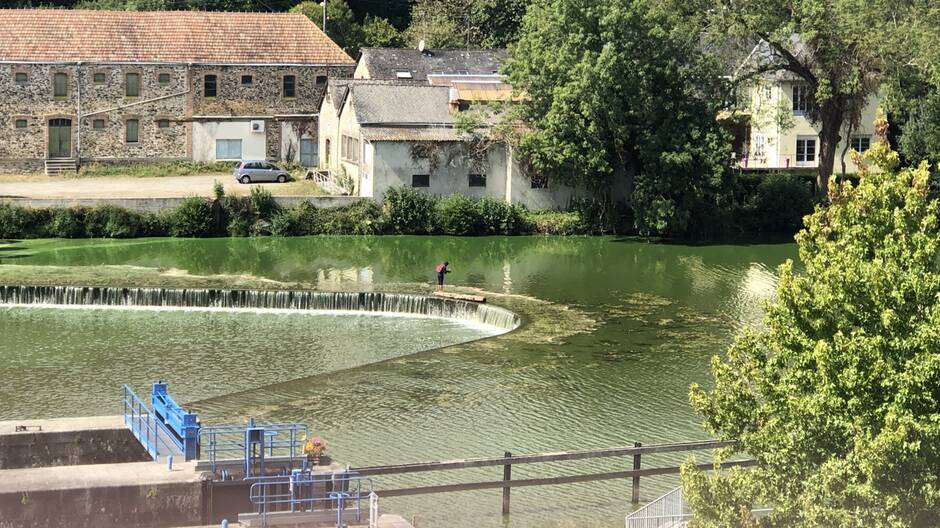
[385, 63]
[382, 103]
[59, 35]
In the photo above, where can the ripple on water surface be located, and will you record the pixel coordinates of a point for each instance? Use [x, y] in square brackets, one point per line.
[58, 362]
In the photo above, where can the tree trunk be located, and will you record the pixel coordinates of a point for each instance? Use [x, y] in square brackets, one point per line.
[831, 116]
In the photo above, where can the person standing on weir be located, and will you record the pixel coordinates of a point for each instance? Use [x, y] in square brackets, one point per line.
[441, 270]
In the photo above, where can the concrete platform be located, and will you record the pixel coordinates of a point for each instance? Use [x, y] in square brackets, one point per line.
[91, 476]
[60, 425]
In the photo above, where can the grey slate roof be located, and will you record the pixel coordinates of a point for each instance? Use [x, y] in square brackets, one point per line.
[384, 63]
[411, 133]
[385, 103]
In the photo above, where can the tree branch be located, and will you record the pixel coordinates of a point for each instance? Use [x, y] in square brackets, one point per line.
[793, 64]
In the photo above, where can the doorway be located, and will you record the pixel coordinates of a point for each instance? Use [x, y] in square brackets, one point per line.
[60, 138]
[308, 153]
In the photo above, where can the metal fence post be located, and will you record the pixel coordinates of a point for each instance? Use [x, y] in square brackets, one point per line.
[507, 476]
[635, 499]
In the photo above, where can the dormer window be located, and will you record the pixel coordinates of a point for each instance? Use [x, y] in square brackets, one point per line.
[403, 74]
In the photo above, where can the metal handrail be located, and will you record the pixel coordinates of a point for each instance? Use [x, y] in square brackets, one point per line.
[305, 491]
[143, 423]
[227, 442]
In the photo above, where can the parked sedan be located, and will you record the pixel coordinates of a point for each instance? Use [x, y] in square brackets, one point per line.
[251, 171]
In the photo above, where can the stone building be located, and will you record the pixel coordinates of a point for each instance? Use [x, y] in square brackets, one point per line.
[117, 87]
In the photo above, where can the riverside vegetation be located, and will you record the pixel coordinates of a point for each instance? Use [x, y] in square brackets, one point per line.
[773, 204]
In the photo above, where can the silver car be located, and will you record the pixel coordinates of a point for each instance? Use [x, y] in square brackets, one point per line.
[250, 171]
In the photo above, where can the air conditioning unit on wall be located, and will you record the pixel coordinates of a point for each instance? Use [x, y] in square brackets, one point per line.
[257, 126]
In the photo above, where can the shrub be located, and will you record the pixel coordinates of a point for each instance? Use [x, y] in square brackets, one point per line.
[108, 221]
[263, 204]
[554, 223]
[237, 215]
[778, 205]
[362, 217]
[193, 218]
[21, 222]
[500, 218]
[66, 223]
[408, 211]
[156, 224]
[300, 220]
[458, 215]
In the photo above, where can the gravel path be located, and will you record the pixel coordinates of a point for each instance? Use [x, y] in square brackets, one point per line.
[163, 187]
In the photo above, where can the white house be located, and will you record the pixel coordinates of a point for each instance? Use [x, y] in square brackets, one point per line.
[777, 132]
[381, 133]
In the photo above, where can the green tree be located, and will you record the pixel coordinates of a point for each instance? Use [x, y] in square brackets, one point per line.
[440, 23]
[341, 25]
[837, 397]
[380, 33]
[920, 135]
[497, 22]
[615, 96]
[841, 50]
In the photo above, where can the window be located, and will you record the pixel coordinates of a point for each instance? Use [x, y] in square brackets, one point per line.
[539, 181]
[802, 99]
[768, 92]
[210, 85]
[350, 149]
[20, 124]
[463, 72]
[289, 86]
[805, 151]
[421, 180]
[60, 85]
[163, 123]
[403, 74]
[98, 78]
[132, 85]
[163, 78]
[97, 124]
[759, 141]
[321, 80]
[132, 131]
[21, 78]
[861, 143]
[229, 149]
[248, 80]
[476, 180]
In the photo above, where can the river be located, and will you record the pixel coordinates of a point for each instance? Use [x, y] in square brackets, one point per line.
[615, 331]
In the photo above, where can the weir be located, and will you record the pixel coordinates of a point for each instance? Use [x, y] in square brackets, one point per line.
[300, 300]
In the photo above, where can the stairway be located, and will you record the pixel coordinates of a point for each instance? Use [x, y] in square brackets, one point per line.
[55, 166]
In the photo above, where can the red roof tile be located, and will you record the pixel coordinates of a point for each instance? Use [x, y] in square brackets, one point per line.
[54, 35]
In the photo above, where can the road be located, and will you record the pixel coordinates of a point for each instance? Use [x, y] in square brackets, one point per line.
[162, 187]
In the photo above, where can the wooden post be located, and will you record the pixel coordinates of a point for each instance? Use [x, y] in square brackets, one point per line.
[635, 499]
[507, 476]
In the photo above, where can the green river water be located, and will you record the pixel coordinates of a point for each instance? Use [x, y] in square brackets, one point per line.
[614, 333]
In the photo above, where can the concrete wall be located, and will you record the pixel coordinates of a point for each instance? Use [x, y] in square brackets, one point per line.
[70, 448]
[394, 166]
[162, 204]
[767, 101]
[205, 135]
[328, 125]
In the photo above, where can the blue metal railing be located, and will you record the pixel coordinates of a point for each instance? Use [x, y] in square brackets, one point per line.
[346, 494]
[182, 427]
[143, 423]
[253, 443]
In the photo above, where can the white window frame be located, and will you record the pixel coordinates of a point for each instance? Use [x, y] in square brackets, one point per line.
[225, 147]
[349, 149]
[856, 143]
[806, 160]
[802, 99]
[760, 143]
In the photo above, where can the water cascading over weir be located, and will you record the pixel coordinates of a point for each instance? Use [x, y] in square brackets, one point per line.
[300, 300]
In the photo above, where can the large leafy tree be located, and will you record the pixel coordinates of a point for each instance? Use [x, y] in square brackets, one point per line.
[341, 25]
[838, 397]
[615, 97]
